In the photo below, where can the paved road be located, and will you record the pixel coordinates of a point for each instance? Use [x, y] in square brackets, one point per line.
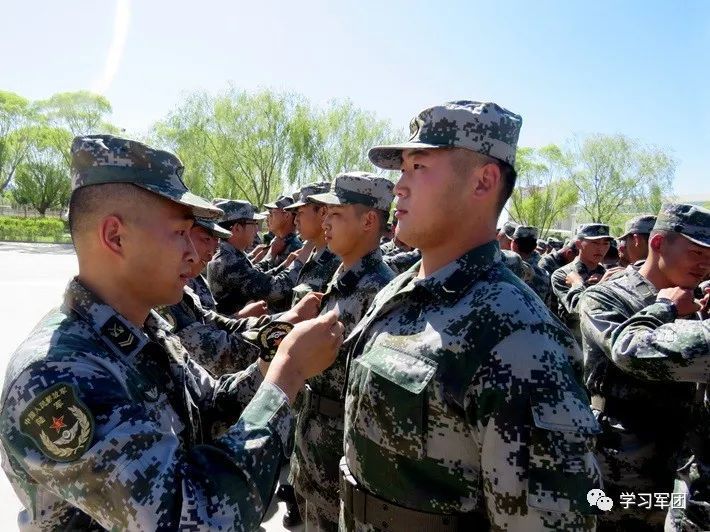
[33, 279]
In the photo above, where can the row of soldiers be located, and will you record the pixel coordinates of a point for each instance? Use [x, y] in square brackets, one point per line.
[433, 382]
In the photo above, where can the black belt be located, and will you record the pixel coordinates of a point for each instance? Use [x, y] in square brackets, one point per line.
[365, 508]
[323, 405]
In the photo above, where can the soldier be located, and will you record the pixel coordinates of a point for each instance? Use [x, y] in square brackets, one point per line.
[556, 259]
[636, 450]
[318, 267]
[570, 281]
[357, 213]
[462, 412]
[106, 421]
[207, 233]
[635, 239]
[232, 277]
[541, 247]
[553, 244]
[505, 235]
[523, 243]
[281, 223]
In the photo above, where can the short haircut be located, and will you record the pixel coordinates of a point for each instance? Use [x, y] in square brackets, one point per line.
[670, 236]
[526, 244]
[463, 160]
[89, 202]
[382, 216]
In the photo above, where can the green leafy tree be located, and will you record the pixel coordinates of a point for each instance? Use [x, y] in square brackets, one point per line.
[16, 121]
[544, 193]
[614, 174]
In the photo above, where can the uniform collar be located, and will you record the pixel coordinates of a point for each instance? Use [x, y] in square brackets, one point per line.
[451, 282]
[115, 330]
[345, 281]
[582, 268]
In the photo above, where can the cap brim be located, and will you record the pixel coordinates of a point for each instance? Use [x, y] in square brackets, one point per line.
[595, 237]
[201, 208]
[703, 243]
[212, 227]
[390, 157]
[295, 206]
[327, 198]
[270, 206]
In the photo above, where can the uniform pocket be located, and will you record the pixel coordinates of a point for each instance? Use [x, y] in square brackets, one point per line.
[393, 398]
[562, 467]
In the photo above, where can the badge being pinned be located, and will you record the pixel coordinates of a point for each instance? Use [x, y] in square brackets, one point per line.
[59, 423]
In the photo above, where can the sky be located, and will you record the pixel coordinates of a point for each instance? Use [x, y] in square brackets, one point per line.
[570, 68]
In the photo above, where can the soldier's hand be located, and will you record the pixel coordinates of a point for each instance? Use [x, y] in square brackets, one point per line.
[278, 244]
[258, 249]
[573, 278]
[307, 308]
[610, 272]
[253, 310]
[306, 351]
[682, 299]
[303, 253]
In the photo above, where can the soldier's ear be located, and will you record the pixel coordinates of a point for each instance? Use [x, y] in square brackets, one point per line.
[656, 241]
[488, 181]
[112, 234]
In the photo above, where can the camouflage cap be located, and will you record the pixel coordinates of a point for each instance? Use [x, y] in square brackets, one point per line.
[281, 202]
[508, 229]
[641, 225]
[238, 210]
[483, 127]
[359, 188]
[213, 228]
[306, 192]
[691, 221]
[593, 231]
[525, 231]
[554, 242]
[102, 159]
[541, 243]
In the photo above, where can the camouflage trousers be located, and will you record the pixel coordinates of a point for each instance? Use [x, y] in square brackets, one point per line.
[318, 448]
[630, 465]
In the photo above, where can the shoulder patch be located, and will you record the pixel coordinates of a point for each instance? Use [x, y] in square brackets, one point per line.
[119, 335]
[59, 423]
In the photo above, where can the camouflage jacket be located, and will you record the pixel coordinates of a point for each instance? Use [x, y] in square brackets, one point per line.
[234, 281]
[568, 296]
[315, 274]
[403, 260]
[201, 288]
[655, 346]
[213, 340]
[293, 243]
[105, 424]
[461, 399]
[539, 280]
[551, 262]
[319, 439]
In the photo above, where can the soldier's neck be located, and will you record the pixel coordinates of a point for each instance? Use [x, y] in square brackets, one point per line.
[319, 243]
[359, 251]
[654, 275]
[435, 258]
[117, 296]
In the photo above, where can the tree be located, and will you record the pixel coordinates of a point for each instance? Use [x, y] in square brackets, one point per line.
[337, 139]
[69, 114]
[16, 120]
[544, 192]
[615, 174]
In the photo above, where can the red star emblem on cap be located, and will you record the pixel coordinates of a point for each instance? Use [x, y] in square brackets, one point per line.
[57, 423]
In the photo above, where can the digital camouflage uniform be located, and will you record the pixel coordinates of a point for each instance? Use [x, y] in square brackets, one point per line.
[461, 402]
[319, 429]
[635, 451]
[538, 279]
[321, 264]
[213, 340]
[551, 262]
[103, 424]
[402, 261]
[235, 281]
[201, 288]
[517, 265]
[568, 296]
[652, 346]
[293, 243]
